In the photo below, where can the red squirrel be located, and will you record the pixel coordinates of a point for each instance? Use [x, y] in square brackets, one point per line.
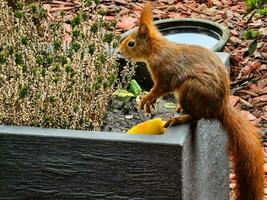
[199, 79]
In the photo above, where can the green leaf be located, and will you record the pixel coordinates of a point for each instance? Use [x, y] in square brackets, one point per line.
[262, 11]
[170, 105]
[94, 27]
[52, 99]
[75, 46]
[102, 12]
[49, 59]
[102, 58]
[123, 94]
[111, 80]
[24, 68]
[43, 72]
[23, 91]
[39, 59]
[68, 69]
[2, 58]
[87, 2]
[19, 5]
[56, 68]
[33, 9]
[54, 27]
[91, 48]
[75, 33]
[19, 14]
[18, 59]
[24, 40]
[252, 47]
[108, 37]
[47, 119]
[63, 59]
[250, 4]
[10, 50]
[62, 14]
[43, 13]
[99, 79]
[135, 88]
[84, 16]
[262, 1]
[75, 21]
[250, 34]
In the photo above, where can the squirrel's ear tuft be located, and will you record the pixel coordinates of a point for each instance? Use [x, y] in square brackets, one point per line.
[146, 15]
[143, 30]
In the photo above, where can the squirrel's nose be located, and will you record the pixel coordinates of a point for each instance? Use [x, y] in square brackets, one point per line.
[118, 52]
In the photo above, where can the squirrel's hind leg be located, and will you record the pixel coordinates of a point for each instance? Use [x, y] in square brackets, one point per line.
[202, 98]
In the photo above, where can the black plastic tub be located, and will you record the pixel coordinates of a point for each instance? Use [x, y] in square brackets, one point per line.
[203, 28]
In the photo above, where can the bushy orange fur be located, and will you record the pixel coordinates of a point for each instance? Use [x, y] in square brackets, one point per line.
[200, 80]
[245, 148]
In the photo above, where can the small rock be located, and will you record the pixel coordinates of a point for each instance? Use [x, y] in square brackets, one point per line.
[128, 116]
[229, 14]
[234, 32]
[171, 8]
[235, 40]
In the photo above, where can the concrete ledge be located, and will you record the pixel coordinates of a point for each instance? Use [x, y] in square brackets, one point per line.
[188, 162]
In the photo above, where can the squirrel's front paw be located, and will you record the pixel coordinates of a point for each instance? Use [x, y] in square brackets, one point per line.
[146, 104]
[179, 109]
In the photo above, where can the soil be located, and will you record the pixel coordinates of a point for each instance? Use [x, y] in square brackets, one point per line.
[123, 114]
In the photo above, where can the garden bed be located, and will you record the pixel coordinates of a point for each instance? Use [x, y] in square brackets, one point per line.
[123, 114]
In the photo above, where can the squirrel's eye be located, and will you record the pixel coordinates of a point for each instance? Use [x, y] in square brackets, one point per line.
[131, 44]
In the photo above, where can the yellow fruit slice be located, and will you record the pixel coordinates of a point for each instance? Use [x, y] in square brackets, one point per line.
[149, 127]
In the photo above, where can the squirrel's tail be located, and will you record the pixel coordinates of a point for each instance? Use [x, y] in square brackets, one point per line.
[246, 151]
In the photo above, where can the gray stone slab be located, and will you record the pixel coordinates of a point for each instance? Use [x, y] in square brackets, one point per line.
[205, 163]
[187, 162]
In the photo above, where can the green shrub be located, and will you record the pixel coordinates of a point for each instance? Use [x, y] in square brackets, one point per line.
[253, 4]
[45, 82]
[254, 7]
